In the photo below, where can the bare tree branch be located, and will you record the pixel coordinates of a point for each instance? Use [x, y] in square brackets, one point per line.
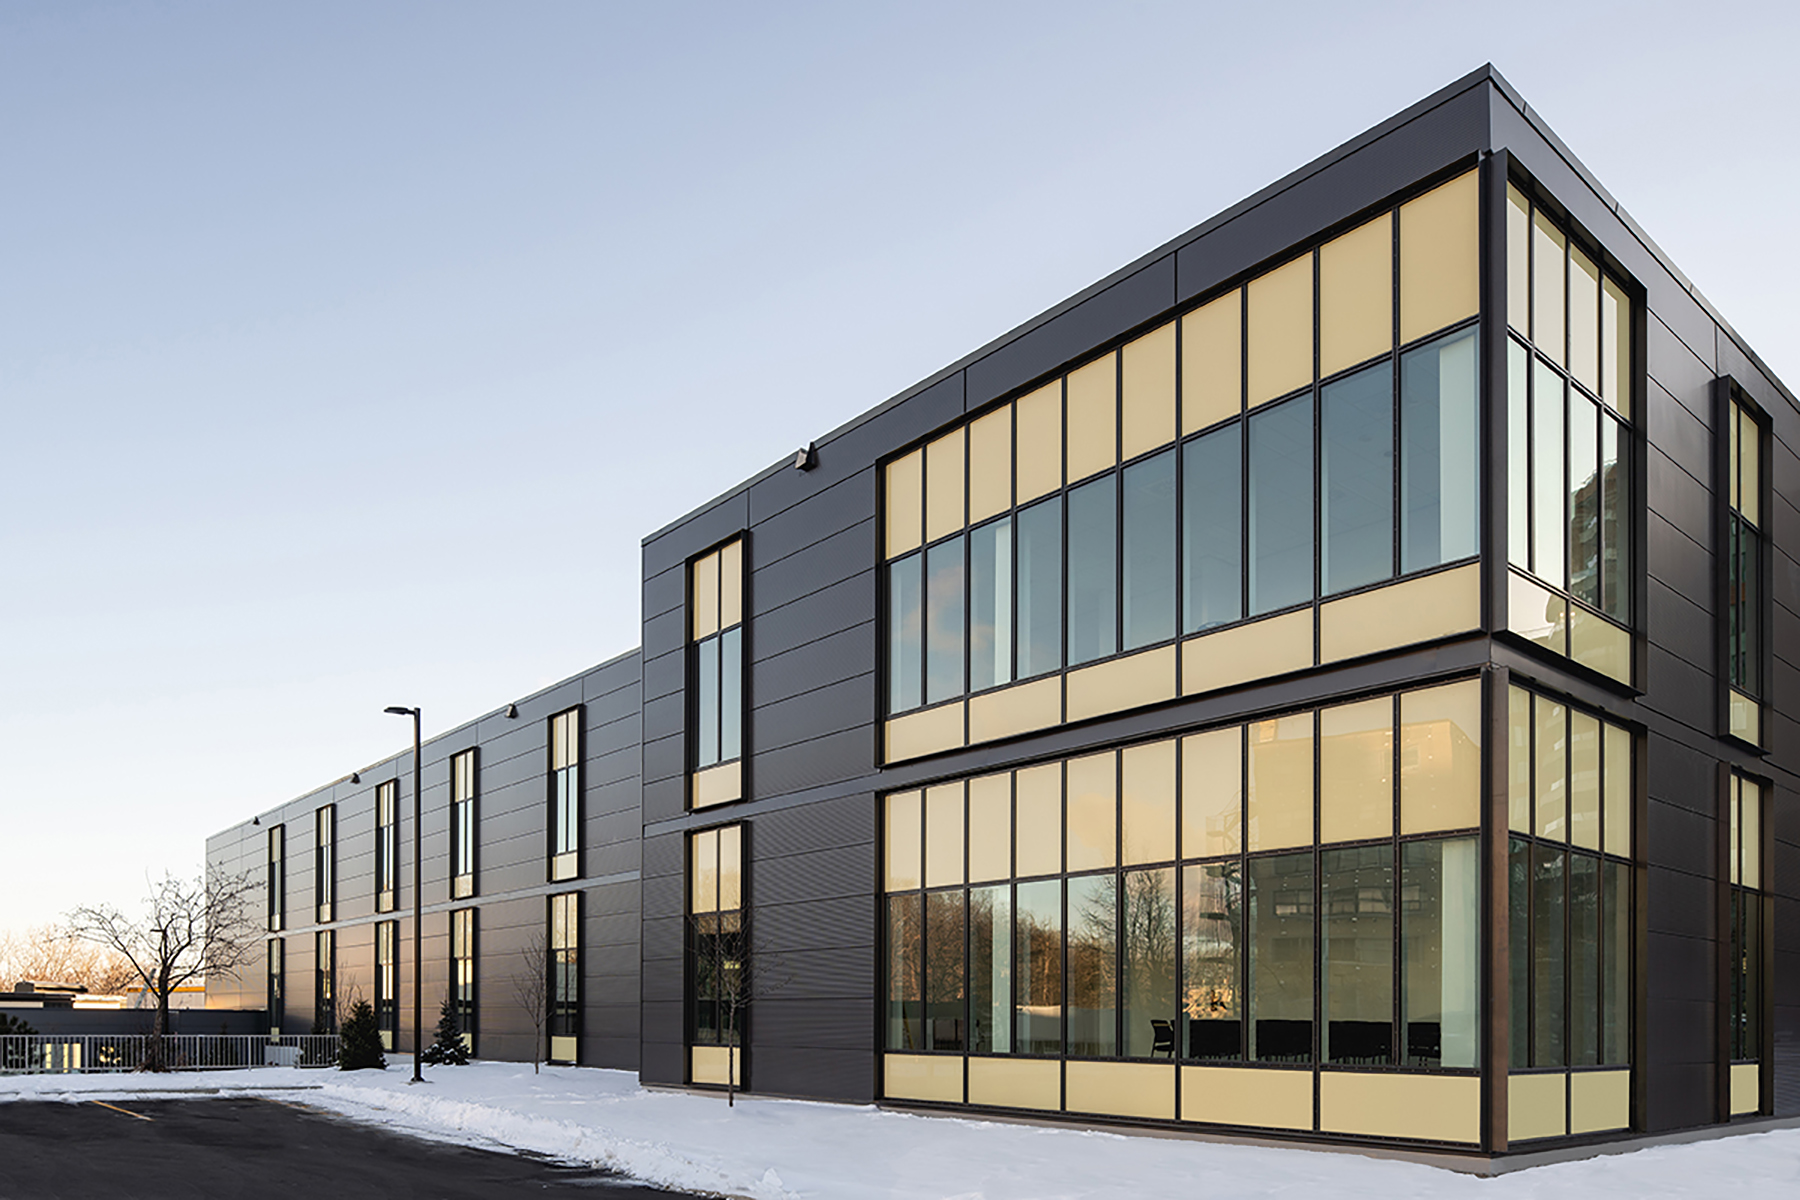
[189, 929]
[531, 988]
[48, 954]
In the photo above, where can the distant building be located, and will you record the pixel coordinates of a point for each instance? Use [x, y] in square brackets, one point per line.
[1315, 682]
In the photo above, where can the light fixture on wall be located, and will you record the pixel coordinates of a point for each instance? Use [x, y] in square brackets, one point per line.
[256, 820]
[807, 458]
[355, 778]
[512, 710]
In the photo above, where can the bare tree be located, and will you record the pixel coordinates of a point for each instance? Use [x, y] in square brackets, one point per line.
[49, 954]
[531, 988]
[189, 929]
[729, 980]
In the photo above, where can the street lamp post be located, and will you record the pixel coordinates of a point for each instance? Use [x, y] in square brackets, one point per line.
[418, 906]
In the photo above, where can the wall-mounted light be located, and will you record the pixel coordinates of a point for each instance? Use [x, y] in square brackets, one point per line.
[512, 710]
[355, 778]
[256, 820]
[807, 458]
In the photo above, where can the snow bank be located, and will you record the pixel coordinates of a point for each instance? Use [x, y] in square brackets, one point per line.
[797, 1150]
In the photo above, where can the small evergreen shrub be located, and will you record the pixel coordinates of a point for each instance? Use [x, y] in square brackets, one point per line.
[359, 1041]
[448, 1049]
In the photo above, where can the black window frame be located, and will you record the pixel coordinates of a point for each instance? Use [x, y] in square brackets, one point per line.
[1730, 398]
[465, 817]
[560, 784]
[387, 846]
[324, 863]
[697, 718]
[465, 996]
[277, 878]
[325, 981]
[563, 1006]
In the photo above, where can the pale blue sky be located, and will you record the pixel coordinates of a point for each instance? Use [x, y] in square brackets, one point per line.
[348, 350]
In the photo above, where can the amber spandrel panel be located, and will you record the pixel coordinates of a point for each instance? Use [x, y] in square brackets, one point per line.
[905, 858]
[1584, 780]
[1440, 757]
[1280, 331]
[944, 835]
[1440, 257]
[1039, 417]
[990, 827]
[705, 872]
[1549, 274]
[1212, 793]
[1147, 803]
[1616, 791]
[905, 503]
[1356, 282]
[1551, 757]
[1147, 401]
[1212, 363]
[1093, 418]
[990, 464]
[1356, 770]
[706, 595]
[1518, 261]
[731, 868]
[1518, 760]
[1281, 782]
[1584, 320]
[1615, 347]
[1093, 805]
[731, 584]
[945, 485]
[1038, 839]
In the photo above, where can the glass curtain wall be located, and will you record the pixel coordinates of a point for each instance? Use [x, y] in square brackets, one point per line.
[1569, 890]
[1171, 900]
[1203, 473]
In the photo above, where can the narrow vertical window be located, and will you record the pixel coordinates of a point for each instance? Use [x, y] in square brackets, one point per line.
[944, 621]
[1093, 966]
[719, 978]
[1356, 954]
[1746, 913]
[278, 877]
[1212, 552]
[325, 861]
[946, 927]
[1040, 613]
[1439, 944]
[565, 794]
[716, 672]
[1744, 587]
[1038, 975]
[462, 825]
[387, 982]
[277, 999]
[1281, 506]
[565, 977]
[990, 970]
[325, 982]
[1093, 570]
[1148, 952]
[1440, 453]
[1212, 947]
[1356, 487]
[387, 844]
[990, 605]
[1281, 958]
[1149, 551]
[462, 973]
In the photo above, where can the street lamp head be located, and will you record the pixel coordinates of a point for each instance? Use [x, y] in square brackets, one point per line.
[398, 711]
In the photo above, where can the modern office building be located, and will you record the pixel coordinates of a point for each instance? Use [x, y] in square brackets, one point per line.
[1321, 680]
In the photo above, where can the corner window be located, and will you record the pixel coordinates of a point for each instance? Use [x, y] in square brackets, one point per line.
[325, 862]
[277, 877]
[387, 844]
[716, 671]
[1569, 897]
[565, 976]
[1569, 460]
[565, 794]
[716, 941]
[1745, 591]
[462, 825]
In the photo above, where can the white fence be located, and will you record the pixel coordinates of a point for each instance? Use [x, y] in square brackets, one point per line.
[37, 1053]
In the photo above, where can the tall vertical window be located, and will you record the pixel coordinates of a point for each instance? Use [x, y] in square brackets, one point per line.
[1309, 434]
[325, 861]
[278, 877]
[387, 982]
[1569, 896]
[462, 973]
[715, 919]
[387, 844]
[1569, 460]
[565, 976]
[462, 825]
[1748, 962]
[277, 993]
[1744, 588]
[325, 982]
[716, 668]
[565, 794]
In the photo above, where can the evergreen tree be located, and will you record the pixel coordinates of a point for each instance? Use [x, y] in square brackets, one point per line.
[14, 1056]
[359, 1041]
[448, 1050]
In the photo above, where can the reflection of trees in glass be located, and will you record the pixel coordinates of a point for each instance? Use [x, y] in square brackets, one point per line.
[1093, 964]
[1038, 974]
[1150, 936]
[905, 942]
[944, 943]
[1212, 930]
[990, 970]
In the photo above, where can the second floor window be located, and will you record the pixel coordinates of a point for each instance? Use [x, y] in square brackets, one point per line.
[325, 861]
[387, 844]
[565, 794]
[277, 876]
[717, 666]
[1742, 619]
[462, 824]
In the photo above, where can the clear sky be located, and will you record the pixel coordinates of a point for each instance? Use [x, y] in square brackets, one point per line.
[348, 350]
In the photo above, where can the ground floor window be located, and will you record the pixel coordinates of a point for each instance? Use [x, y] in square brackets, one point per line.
[387, 982]
[324, 982]
[276, 997]
[462, 973]
[565, 976]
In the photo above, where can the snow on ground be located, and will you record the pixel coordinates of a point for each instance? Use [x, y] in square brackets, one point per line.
[799, 1150]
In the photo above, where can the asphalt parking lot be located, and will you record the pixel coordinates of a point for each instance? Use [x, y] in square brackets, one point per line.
[258, 1149]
